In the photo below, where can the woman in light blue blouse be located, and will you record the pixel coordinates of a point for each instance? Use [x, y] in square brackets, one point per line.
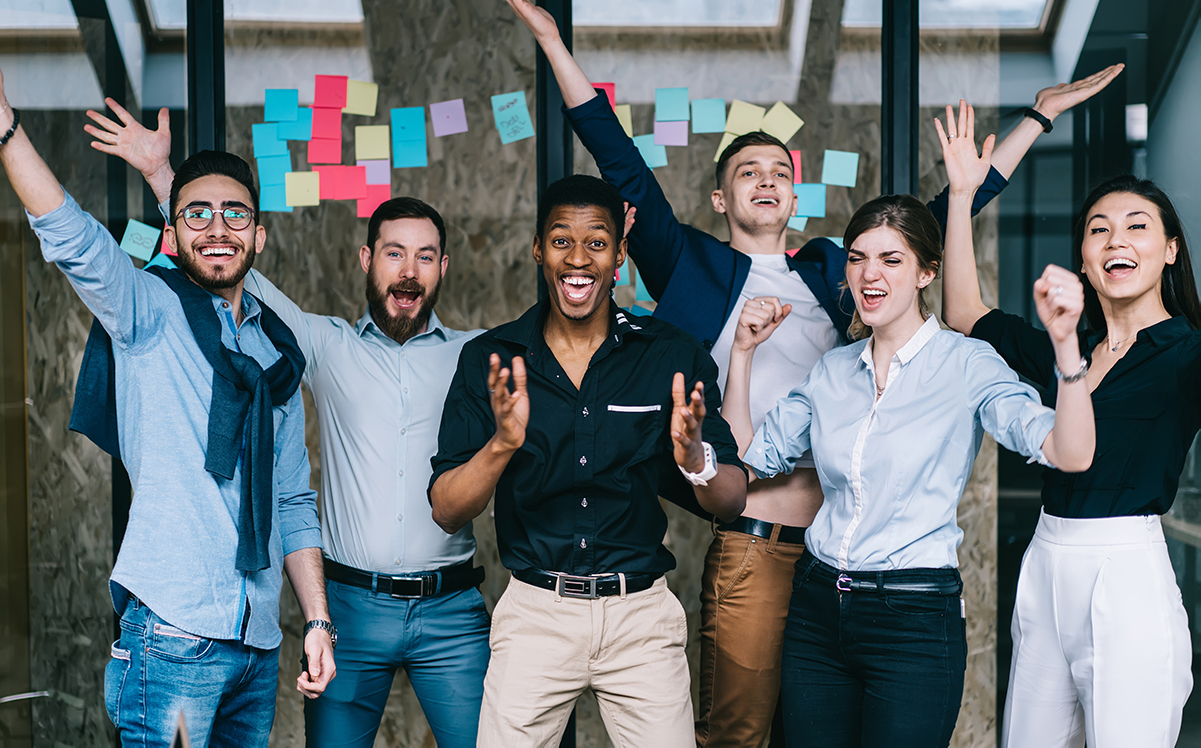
[875, 647]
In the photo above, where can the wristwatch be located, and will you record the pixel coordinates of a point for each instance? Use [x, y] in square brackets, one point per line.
[709, 471]
[326, 626]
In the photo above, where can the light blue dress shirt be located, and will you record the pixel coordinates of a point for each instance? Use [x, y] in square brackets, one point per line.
[893, 470]
[379, 404]
[178, 555]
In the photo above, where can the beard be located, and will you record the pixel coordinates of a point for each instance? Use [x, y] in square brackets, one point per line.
[205, 277]
[403, 326]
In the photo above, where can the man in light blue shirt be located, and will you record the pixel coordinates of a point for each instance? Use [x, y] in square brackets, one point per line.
[212, 523]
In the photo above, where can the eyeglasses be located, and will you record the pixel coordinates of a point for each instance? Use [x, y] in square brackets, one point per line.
[199, 218]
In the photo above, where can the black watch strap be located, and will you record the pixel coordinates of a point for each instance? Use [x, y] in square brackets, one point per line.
[1040, 118]
[326, 626]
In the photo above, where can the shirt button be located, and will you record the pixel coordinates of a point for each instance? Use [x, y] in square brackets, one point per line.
[398, 562]
[400, 518]
[585, 412]
[401, 473]
[759, 450]
[583, 460]
[405, 390]
[225, 305]
[584, 503]
[403, 432]
[583, 543]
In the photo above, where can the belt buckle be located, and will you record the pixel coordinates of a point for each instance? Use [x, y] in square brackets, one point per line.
[843, 583]
[420, 580]
[583, 588]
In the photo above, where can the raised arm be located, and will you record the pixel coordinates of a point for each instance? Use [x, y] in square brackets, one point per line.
[759, 319]
[1059, 299]
[34, 183]
[573, 83]
[148, 151]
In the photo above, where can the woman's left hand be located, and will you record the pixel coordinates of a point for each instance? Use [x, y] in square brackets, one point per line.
[1059, 299]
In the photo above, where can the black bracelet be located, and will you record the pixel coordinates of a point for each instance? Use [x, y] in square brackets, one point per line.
[1040, 118]
[12, 130]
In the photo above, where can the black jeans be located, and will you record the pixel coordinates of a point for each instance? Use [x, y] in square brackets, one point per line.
[864, 669]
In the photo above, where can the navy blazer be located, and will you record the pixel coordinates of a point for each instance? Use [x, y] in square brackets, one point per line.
[700, 293]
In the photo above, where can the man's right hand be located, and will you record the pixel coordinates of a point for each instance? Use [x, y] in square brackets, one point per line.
[536, 19]
[148, 151]
[966, 169]
[760, 318]
[510, 410]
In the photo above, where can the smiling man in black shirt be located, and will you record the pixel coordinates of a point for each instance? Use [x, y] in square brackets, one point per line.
[596, 425]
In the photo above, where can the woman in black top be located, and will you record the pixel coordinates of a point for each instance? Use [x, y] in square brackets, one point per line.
[1101, 643]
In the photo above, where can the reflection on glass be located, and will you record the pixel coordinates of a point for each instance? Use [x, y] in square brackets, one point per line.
[956, 14]
[673, 13]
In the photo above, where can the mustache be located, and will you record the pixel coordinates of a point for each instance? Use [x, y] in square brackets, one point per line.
[406, 286]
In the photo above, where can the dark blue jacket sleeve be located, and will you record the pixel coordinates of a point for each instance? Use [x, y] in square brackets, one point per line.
[993, 184]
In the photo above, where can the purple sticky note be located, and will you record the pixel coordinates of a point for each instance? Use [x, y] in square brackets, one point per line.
[378, 172]
[448, 117]
[671, 133]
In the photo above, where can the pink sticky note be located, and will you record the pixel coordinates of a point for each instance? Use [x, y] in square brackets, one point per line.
[610, 90]
[325, 151]
[327, 123]
[351, 183]
[796, 166]
[167, 248]
[671, 133]
[377, 194]
[378, 172]
[448, 117]
[326, 189]
[329, 91]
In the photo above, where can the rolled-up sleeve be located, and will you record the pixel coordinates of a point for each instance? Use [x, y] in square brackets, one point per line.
[785, 435]
[1007, 408]
[299, 526]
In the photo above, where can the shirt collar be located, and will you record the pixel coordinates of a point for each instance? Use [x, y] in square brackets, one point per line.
[250, 305]
[434, 326]
[906, 352]
[527, 328]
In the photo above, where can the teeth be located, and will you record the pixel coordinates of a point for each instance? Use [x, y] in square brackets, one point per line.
[209, 252]
[765, 201]
[873, 292]
[1120, 261]
[578, 281]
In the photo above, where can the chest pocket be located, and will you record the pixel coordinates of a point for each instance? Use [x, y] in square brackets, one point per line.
[632, 433]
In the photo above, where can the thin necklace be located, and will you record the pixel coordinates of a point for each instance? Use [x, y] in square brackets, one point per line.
[1114, 346]
[879, 391]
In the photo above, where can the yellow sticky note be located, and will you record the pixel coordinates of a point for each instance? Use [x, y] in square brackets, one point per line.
[725, 141]
[781, 122]
[625, 118]
[744, 118]
[371, 143]
[301, 188]
[360, 98]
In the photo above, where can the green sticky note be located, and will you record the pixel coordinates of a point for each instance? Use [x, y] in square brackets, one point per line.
[654, 155]
[840, 168]
[139, 240]
[671, 104]
[512, 117]
[811, 200]
[709, 115]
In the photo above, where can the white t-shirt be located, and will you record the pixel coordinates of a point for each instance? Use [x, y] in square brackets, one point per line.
[784, 360]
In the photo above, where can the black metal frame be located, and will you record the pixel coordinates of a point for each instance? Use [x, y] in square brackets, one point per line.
[206, 75]
[898, 102]
[554, 136]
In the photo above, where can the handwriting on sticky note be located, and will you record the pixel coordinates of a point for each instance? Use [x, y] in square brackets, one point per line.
[281, 104]
[811, 200]
[840, 168]
[302, 188]
[329, 91]
[512, 117]
[744, 118]
[671, 104]
[449, 118]
[625, 117]
[671, 133]
[654, 155]
[139, 240]
[709, 115]
[371, 142]
[781, 122]
[361, 98]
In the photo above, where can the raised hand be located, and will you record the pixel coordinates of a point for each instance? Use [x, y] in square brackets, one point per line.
[759, 319]
[1054, 101]
[686, 419]
[966, 170]
[148, 151]
[630, 211]
[511, 410]
[536, 19]
[1059, 299]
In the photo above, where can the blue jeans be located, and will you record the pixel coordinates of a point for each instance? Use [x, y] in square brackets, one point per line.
[865, 669]
[441, 642]
[225, 689]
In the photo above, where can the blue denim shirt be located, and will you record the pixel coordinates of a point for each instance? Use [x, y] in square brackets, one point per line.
[181, 541]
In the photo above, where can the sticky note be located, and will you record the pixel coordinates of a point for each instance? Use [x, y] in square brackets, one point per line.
[625, 117]
[329, 91]
[302, 188]
[781, 122]
[378, 172]
[654, 155]
[371, 142]
[671, 133]
[266, 140]
[840, 168]
[639, 311]
[409, 153]
[273, 168]
[797, 223]
[811, 200]
[301, 129]
[448, 117]
[512, 117]
[796, 166]
[377, 194]
[327, 123]
[744, 117]
[139, 240]
[325, 151]
[709, 115]
[160, 260]
[408, 123]
[360, 98]
[837, 240]
[326, 189]
[622, 276]
[350, 183]
[721, 147]
[671, 104]
[165, 248]
[281, 104]
[610, 90]
[272, 199]
[640, 292]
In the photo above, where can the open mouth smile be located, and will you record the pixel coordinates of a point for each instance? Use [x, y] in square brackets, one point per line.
[577, 288]
[872, 298]
[1120, 267]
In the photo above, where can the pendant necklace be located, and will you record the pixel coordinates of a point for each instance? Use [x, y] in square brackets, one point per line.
[1114, 346]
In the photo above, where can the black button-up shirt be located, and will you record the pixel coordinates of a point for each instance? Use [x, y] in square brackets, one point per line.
[580, 496]
[1147, 411]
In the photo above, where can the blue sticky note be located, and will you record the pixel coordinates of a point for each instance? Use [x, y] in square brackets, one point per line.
[408, 153]
[639, 311]
[671, 104]
[300, 129]
[836, 239]
[139, 240]
[840, 168]
[797, 223]
[623, 274]
[640, 292]
[654, 155]
[273, 168]
[272, 197]
[811, 200]
[266, 140]
[281, 105]
[709, 115]
[408, 124]
[512, 117]
[161, 260]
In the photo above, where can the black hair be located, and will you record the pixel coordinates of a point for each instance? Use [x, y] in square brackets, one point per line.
[205, 163]
[1178, 289]
[581, 190]
[404, 207]
[745, 141]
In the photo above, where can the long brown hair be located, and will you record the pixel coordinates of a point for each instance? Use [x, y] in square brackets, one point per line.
[910, 218]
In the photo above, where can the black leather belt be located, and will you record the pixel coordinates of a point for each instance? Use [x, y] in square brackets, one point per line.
[412, 585]
[761, 529]
[919, 581]
[586, 588]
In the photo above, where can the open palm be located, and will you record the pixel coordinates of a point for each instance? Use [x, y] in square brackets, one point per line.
[966, 169]
[144, 149]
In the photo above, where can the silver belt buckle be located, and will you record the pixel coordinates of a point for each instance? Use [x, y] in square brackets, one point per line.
[420, 587]
[843, 584]
[583, 588]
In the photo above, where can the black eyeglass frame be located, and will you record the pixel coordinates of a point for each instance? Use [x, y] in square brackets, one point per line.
[250, 215]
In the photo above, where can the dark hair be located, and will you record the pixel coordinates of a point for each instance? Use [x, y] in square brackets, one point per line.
[1177, 287]
[580, 191]
[205, 163]
[404, 207]
[910, 218]
[745, 141]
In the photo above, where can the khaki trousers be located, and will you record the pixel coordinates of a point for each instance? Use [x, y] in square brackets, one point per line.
[745, 592]
[547, 650]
